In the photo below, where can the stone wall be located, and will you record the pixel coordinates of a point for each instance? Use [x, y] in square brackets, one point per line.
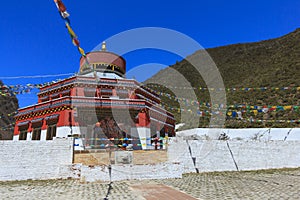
[130, 172]
[41, 160]
[261, 134]
[23, 160]
[230, 155]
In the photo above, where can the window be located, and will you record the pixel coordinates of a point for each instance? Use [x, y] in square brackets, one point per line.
[106, 92]
[36, 134]
[123, 94]
[52, 126]
[55, 96]
[51, 132]
[23, 134]
[66, 93]
[90, 92]
[45, 98]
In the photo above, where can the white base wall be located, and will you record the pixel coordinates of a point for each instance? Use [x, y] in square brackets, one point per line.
[16, 138]
[23, 160]
[65, 131]
[144, 134]
[262, 134]
[214, 155]
[61, 132]
[130, 172]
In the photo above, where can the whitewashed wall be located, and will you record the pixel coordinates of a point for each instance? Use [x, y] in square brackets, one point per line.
[273, 148]
[41, 160]
[22, 160]
[130, 172]
[262, 134]
[62, 132]
[215, 155]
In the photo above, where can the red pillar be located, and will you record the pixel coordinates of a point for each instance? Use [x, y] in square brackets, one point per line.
[144, 120]
[80, 92]
[114, 92]
[44, 125]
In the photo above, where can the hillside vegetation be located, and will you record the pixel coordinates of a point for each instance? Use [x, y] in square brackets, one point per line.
[262, 82]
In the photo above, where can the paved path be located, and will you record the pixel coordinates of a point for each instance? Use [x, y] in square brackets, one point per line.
[160, 191]
[272, 184]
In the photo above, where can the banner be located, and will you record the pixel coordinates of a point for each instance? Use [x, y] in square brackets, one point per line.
[65, 15]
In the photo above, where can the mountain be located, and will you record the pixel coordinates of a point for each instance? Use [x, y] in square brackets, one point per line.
[8, 106]
[262, 82]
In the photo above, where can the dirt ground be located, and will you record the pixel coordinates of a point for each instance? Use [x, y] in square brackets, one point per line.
[140, 157]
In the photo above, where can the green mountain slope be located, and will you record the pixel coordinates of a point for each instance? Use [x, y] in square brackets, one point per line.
[257, 76]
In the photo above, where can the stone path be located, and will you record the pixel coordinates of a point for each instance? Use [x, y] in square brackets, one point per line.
[271, 184]
[160, 191]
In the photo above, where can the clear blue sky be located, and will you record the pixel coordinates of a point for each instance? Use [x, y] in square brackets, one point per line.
[34, 40]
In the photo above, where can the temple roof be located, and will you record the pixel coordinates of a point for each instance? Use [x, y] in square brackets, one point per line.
[104, 62]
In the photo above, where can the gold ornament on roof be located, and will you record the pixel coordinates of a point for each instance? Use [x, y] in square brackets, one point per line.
[103, 46]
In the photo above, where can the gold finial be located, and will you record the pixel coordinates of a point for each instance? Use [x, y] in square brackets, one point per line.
[104, 46]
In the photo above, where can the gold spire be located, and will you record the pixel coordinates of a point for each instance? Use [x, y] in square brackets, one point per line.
[103, 46]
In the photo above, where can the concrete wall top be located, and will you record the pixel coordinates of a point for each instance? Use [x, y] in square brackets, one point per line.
[263, 134]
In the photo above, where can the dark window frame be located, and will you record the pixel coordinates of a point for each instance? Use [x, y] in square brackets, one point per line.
[51, 131]
[23, 134]
[36, 133]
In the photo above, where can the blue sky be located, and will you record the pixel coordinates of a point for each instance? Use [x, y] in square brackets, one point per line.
[34, 40]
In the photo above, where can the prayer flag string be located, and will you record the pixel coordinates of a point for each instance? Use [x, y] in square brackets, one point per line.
[65, 15]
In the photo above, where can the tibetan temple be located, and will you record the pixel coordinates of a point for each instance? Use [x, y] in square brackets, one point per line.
[99, 97]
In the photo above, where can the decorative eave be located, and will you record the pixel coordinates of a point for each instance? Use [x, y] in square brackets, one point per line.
[67, 103]
[24, 116]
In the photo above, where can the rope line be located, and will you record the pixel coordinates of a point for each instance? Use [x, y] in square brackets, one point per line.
[36, 76]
